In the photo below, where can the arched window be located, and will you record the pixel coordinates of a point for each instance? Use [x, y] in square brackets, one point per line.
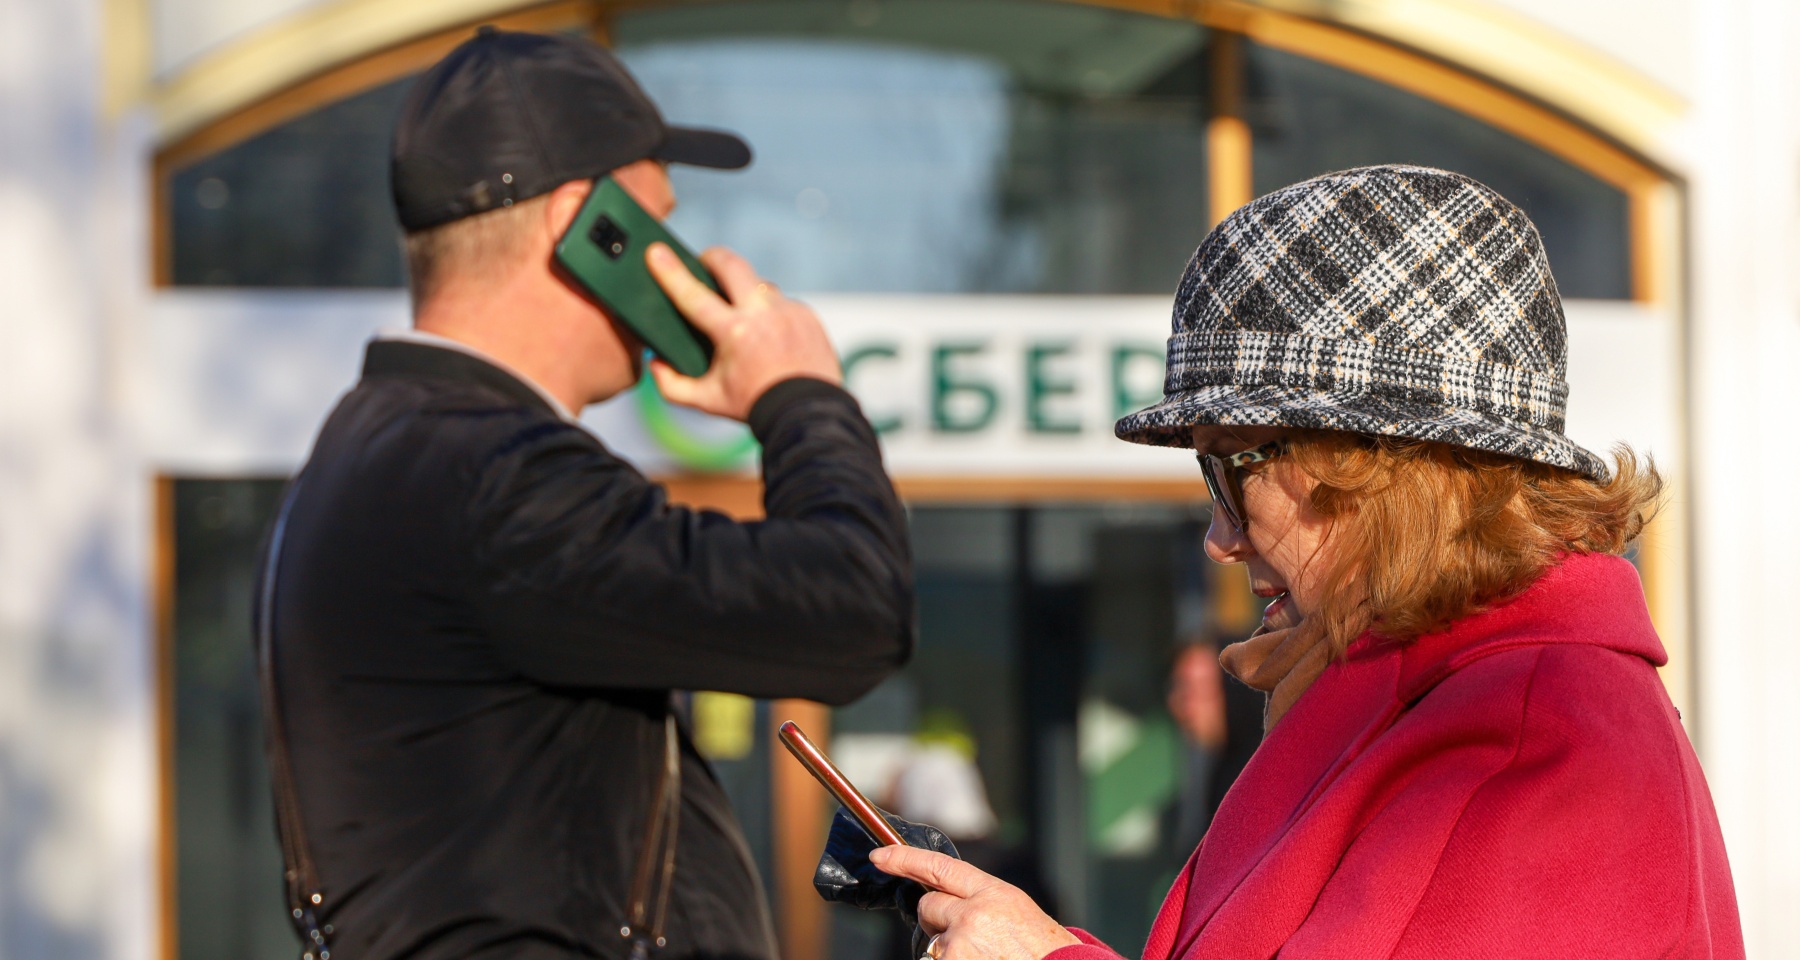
[926, 146]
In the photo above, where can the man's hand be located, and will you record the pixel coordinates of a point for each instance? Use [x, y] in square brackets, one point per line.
[977, 916]
[760, 337]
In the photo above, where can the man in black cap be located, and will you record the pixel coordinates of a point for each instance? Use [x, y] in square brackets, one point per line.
[472, 614]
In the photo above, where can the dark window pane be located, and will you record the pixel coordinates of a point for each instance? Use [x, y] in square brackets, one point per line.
[908, 147]
[930, 146]
[303, 205]
[230, 902]
[1309, 118]
[912, 146]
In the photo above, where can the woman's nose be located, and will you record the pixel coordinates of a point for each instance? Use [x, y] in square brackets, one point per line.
[1224, 542]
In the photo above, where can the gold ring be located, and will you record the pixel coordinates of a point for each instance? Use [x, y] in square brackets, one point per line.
[932, 950]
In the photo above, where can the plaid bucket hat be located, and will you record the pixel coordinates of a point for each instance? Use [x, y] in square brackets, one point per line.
[1395, 300]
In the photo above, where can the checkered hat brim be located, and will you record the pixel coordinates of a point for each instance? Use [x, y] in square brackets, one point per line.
[1170, 423]
[1396, 301]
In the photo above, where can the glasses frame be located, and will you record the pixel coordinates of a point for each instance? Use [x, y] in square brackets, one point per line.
[1225, 478]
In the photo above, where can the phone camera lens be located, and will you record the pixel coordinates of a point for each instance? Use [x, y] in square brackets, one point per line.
[609, 237]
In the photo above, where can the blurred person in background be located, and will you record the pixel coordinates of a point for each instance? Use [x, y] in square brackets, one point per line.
[1469, 751]
[474, 614]
[1220, 719]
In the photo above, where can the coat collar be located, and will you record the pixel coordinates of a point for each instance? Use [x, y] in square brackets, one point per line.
[1587, 599]
[413, 358]
[1593, 599]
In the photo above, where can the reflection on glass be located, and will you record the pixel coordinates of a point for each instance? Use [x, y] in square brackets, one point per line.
[907, 146]
[1309, 118]
[933, 146]
[911, 146]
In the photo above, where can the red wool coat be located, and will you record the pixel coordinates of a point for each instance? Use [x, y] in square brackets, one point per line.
[1517, 786]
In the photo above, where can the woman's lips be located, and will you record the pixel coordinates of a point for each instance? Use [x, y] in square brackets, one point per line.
[1280, 614]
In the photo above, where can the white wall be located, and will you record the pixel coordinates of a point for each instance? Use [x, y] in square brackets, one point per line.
[184, 30]
[76, 786]
[1650, 36]
[1745, 150]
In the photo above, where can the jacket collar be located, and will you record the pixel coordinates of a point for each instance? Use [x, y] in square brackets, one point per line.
[415, 358]
[1592, 599]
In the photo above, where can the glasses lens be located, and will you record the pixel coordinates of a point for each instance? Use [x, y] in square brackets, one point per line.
[1223, 493]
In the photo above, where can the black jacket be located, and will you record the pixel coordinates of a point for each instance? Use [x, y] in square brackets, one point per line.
[480, 613]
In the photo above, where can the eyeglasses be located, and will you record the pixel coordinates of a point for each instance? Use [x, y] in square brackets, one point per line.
[1225, 478]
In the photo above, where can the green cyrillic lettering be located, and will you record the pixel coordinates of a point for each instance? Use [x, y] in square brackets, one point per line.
[885, 351]
[1040, 386]
[945, 385]
[1126, 399]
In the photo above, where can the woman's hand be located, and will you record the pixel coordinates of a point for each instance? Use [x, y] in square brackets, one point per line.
[978, 917]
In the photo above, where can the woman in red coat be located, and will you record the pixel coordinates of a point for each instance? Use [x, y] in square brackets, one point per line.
[1469, 752]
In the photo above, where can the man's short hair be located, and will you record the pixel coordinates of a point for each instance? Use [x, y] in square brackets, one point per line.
[486, 242]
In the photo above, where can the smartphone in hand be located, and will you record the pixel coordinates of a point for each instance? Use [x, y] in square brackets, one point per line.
[603, 250]
[833, 780]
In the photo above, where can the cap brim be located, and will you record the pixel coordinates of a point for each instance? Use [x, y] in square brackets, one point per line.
[704, 148]
[1171, 422]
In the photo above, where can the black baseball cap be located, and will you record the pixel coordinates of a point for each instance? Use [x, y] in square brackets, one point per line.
[507, 116]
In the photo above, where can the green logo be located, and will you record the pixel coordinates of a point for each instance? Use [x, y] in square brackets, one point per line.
[695, 453]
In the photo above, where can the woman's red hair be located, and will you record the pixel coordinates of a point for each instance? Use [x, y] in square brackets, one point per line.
[1423, 533]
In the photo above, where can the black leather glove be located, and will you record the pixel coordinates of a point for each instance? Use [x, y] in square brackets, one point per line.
[845, 874]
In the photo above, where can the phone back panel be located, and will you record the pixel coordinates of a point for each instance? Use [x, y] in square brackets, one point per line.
[604, 251]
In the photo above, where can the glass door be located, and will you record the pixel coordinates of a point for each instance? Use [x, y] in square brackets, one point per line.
[1034, 725]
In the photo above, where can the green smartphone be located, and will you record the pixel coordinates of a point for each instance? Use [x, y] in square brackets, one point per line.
[604, 251]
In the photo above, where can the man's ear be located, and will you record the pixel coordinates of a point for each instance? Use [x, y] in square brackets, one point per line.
[565, 203]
